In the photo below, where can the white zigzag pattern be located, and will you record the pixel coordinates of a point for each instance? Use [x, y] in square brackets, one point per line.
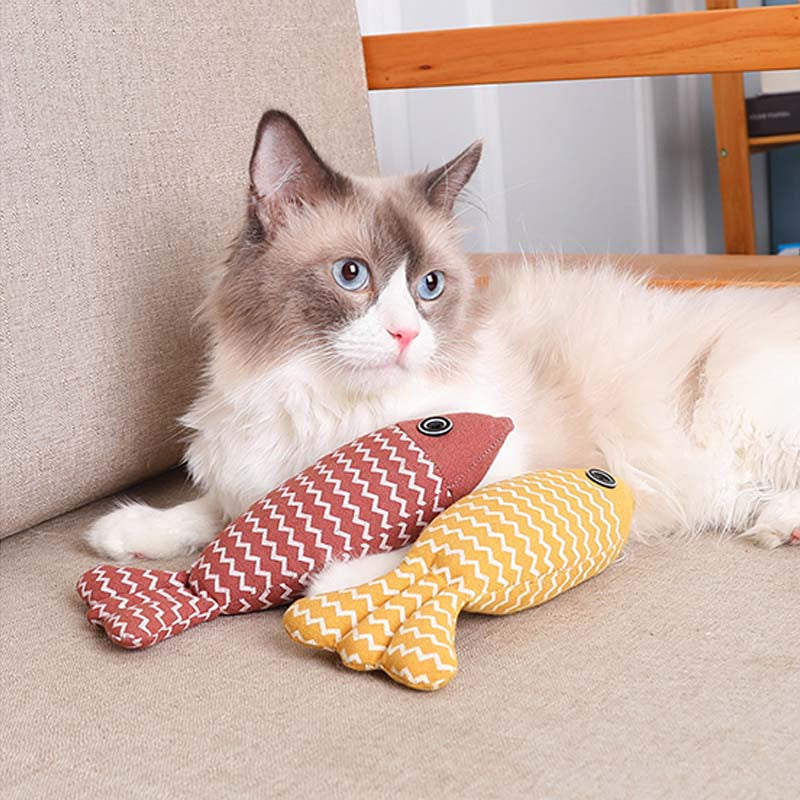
[326, 508]
[591, 515]
[432, 475]
[491, 533]
[353, 658]
[541, 520]
[205, 568]
[561, 542]
[383, 480]
[507, 536]
[404, 466]
[359, 635]
[524, 542]
[405, 651]
[233, 572]
[126, 579]
[579, 543]
[456, 583]
[291, 499]
[246, 553]
[358, 480]
[236, 543]
[391, 453]
[336, 488]
[612, 531]
[454, 551]
[300, 638]
[434, 623]
[137, 600]
[277, 516]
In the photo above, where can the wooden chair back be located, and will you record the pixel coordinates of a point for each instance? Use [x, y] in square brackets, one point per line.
[723, 41]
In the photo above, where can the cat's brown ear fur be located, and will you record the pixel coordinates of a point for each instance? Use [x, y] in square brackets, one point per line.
[286, 171]
[443, 185]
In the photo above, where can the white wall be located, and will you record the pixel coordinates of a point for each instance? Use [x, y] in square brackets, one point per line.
[623, 165]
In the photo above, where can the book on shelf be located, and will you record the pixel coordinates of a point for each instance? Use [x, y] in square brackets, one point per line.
[773, 114]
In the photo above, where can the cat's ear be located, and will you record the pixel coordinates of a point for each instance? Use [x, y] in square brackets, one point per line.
[442, 186]
[286, 171]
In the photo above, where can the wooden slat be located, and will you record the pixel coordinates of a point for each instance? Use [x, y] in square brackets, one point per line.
[734, 40]
[733, 160]
[758, 144]
[676, 271]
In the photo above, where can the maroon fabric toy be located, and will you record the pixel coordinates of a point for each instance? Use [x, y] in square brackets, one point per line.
[375, 494]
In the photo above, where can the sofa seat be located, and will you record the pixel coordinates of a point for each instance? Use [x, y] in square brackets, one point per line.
[674, 674]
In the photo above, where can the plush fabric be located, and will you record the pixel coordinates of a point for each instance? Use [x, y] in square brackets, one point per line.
[125, 136]
[506, 547]
[372, 495]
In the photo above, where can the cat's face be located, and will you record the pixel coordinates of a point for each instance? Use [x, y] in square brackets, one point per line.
[362, 278]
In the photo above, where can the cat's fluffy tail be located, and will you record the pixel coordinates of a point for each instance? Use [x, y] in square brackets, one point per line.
[403, 623]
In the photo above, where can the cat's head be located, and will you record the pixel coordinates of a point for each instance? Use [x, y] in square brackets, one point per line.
[362, 277]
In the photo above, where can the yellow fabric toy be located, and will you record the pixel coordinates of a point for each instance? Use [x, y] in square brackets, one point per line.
[506, 547]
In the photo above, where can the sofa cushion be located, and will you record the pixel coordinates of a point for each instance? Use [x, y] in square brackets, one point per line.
[674, 674]
[126, 133]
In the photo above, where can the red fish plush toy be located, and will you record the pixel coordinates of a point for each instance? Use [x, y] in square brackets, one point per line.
[375, 494]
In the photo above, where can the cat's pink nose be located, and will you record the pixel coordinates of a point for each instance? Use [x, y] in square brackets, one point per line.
[404, 336]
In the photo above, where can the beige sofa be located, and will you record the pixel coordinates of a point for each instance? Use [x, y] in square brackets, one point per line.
[126, 130]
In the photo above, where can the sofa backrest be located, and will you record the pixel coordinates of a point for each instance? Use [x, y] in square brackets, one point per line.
[126, 132]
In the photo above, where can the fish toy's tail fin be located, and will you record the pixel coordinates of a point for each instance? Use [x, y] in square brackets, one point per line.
[139, 607]
[422, 652]
[403, 623]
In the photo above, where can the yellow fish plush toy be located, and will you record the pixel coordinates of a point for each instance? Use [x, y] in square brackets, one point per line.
[506, 547]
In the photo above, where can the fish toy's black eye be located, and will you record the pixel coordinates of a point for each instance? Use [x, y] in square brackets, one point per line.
[435, 426]
[602, 478]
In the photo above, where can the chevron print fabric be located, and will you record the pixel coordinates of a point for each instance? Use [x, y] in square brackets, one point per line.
[139, 607]
[374, 494]
[507, 547]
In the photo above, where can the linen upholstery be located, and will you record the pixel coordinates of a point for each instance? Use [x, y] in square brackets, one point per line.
[673, 674]
[126, 132]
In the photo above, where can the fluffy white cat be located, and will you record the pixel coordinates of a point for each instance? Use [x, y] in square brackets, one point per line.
[346, 304]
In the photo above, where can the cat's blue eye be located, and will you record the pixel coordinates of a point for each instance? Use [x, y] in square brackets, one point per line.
[430, 286]
[351, 274]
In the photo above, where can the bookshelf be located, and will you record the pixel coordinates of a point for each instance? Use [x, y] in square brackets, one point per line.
[758, 144]
[734, 148]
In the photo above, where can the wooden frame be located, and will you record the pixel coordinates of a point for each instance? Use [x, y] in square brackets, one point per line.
[734, 40]
[723, 42]
[734, 148]
[683, 271]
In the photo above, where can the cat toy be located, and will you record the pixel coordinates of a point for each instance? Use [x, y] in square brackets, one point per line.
[375, 494]
[507, 547]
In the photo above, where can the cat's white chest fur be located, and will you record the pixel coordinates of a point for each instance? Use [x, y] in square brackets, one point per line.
[252, 436]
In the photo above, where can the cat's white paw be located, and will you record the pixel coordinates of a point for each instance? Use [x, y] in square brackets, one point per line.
[340, 575]
[137, 530]
[770, 539]
[778, 523]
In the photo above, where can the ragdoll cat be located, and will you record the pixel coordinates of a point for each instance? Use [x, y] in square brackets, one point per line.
[346, 304]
